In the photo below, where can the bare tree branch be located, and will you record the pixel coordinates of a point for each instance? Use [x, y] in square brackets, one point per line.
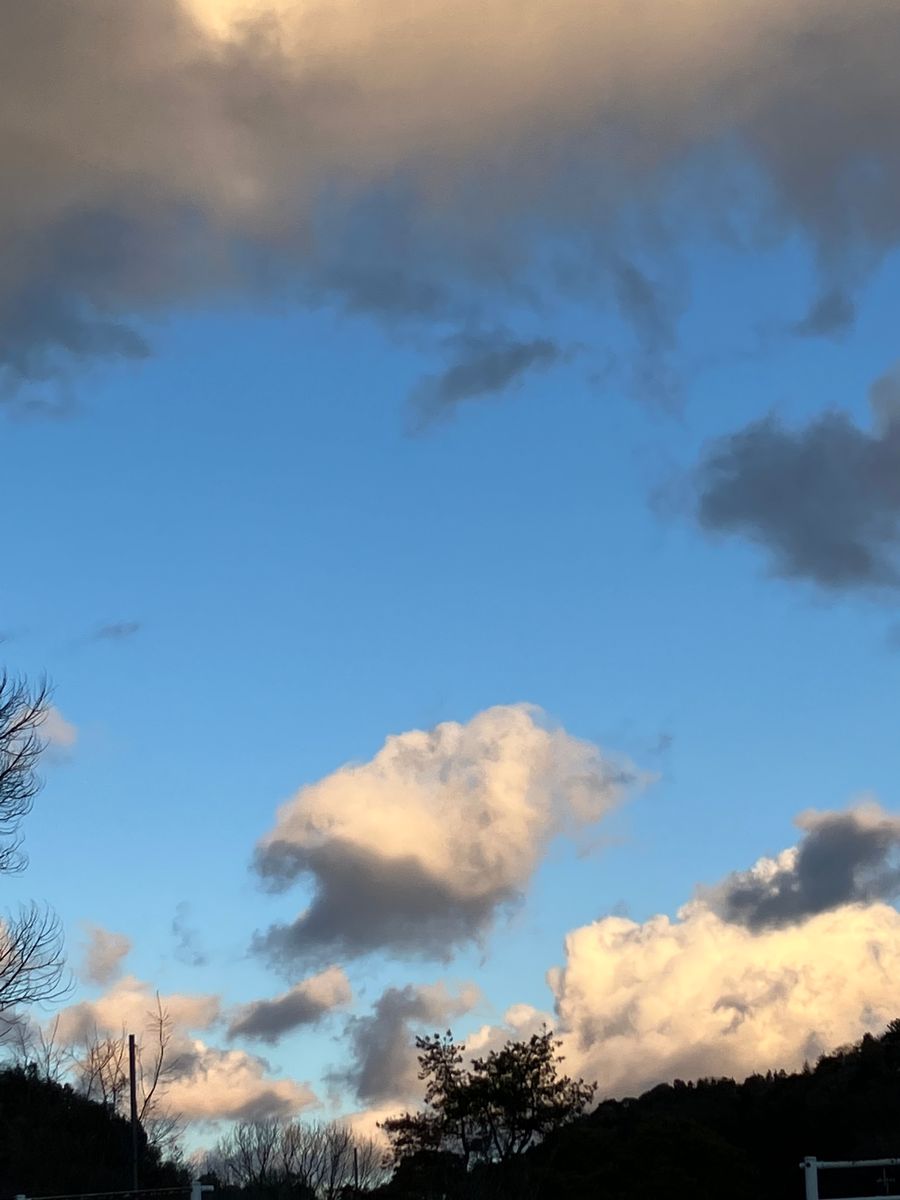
[31, 960]
[22, 713]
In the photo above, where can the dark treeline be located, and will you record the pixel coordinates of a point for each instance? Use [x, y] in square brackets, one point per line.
[54, 1140]
[708, 1139]
[702, 1140]
[744, 1140]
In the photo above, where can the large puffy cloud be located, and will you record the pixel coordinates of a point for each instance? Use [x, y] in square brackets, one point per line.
[409, 158]
[203, 1082]
[304, 1004]
[703, 995]
[418, 849]
[383, 1064]
[824, 501]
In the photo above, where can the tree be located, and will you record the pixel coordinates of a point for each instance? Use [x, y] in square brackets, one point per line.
[308, 1161]
[31, 962]
[53, 1140]
[519, 1098]
[101, 1069]
[492, 1112]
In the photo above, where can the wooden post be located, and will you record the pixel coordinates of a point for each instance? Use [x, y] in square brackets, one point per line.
[134, 1118]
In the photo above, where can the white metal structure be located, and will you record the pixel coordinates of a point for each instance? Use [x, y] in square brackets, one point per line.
[812, 1166]
[197, 1189]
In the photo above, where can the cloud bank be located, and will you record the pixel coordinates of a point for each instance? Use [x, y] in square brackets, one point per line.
[421, 160]
[418, 850]
[773, 967]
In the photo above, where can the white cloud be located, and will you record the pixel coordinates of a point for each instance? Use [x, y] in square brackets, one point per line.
[418, 849]
[59, 734]
[700, 995]
[232, 1084]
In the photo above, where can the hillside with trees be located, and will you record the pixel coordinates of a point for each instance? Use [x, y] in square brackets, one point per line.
[705, 1139]
[54, 1139]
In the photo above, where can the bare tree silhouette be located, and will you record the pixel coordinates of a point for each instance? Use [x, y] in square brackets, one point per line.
[31, 958]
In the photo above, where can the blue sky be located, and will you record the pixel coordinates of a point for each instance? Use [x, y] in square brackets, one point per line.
[309, 572]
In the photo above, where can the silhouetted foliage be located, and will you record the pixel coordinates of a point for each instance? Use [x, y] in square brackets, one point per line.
[490, 1113]
[53, 1140]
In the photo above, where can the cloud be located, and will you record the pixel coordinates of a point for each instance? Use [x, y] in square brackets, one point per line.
[383, 1064]
[419, 160]
[103, 955]
[831, 314]
[823, 501]
[117, 631]
[705, 995]
[59, 734]
[129, 1004]
[187, 940]
[207, 1083]
[651, 314]
[305, 1004]
[483, 364]
[417, 851]
[850, 857]
[218, 1085]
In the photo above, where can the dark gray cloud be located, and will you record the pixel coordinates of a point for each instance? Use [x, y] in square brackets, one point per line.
[823, 501]
[382, 1050]
[187, 939]
[850, 857]
[305, 1004]
[832, 313]
[483, 364]
[166, 166]
[365, 902]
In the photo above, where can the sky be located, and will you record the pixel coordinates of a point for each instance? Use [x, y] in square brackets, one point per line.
[453, 453]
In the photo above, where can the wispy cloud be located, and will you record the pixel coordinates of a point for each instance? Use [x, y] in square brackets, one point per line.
[188, 948]
[117, 631]
[482, 364]
[103, 956]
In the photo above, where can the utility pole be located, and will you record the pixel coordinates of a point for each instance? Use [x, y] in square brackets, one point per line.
[134, 1117]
